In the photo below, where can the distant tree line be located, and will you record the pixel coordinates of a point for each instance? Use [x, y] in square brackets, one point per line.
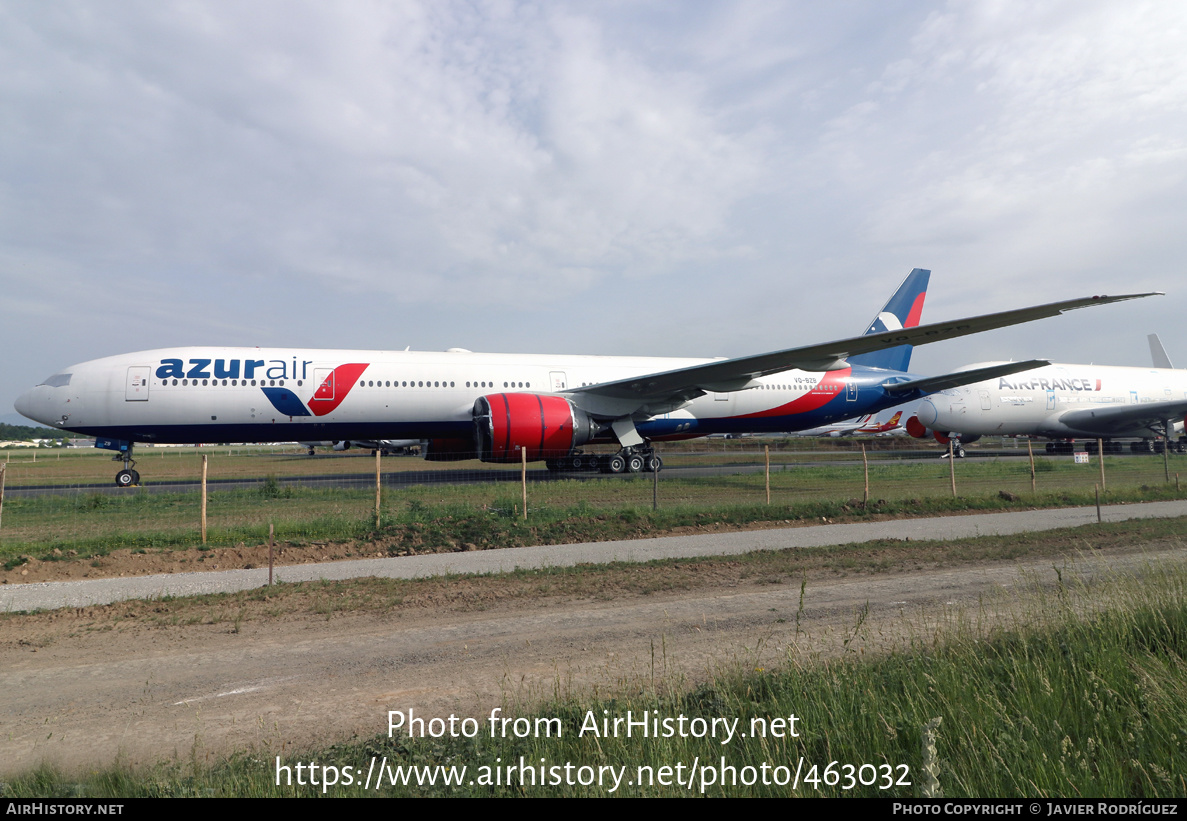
[22, 432]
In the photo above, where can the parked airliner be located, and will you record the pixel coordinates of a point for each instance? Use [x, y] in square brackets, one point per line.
[385, 445]
[866, 425]
[1059, 402]
[504, 407]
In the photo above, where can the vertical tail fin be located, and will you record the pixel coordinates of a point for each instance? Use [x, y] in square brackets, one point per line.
[901, 311]
[1158, 353]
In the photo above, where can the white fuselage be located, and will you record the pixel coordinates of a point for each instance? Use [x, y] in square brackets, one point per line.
[1059, 401]
[252, 394]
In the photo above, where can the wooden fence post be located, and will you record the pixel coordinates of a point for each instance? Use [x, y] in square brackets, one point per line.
[865, 462]
[203, 498]
[1031, 453]
[378, 484]
[767, 452]
[952, 466]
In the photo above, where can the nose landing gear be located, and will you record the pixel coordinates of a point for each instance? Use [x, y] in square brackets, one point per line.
[129, 476]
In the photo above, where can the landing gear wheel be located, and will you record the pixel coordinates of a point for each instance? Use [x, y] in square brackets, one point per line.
[654, 464]
[634, 463]
[959, 451]
[615, 464]
[126, 478]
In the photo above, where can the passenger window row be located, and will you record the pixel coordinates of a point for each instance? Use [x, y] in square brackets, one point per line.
[263, 383]
[380, 383]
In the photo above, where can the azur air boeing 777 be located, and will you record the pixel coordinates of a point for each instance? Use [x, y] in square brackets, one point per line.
[495, 407]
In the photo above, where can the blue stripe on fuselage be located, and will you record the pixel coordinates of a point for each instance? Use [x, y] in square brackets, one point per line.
[286, 402]
[871, 398]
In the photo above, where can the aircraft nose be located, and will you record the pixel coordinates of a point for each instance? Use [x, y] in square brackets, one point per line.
[24, 403]
[927, 413]
[29, 403]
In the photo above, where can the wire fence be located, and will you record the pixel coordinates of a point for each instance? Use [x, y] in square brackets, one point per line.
[63, 498]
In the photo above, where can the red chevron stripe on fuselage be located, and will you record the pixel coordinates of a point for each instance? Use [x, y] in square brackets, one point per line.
[828, 388]
[335, 387]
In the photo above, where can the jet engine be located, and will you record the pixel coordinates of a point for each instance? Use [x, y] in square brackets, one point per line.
[918, 430]
[547, 427]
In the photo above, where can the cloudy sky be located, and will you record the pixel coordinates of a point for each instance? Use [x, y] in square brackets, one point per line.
[685, 178]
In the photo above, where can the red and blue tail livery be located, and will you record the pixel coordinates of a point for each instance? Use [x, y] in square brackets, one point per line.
[505, 407]
[902, 311]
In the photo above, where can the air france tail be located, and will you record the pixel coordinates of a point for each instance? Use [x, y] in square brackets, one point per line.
[902, 311]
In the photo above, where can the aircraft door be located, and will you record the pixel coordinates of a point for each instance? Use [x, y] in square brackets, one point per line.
[559, 382]
[851, 391]
[136, 388]
[985, 402]
[324, 379]
[1050, 400]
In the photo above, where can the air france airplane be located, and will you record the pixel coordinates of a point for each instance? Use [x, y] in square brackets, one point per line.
[504, 407]
[1059, 402]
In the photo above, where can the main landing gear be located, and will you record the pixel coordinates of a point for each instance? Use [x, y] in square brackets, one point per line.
[636, 459]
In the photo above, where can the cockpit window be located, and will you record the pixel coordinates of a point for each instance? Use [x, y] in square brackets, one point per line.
[58, 380]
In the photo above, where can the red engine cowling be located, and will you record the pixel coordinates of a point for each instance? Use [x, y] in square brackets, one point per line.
[916, 428]
[920, 431]
[547, 427]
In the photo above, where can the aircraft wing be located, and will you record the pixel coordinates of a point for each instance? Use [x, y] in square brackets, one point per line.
[1123, 420]
[932, 384]
[684, 384]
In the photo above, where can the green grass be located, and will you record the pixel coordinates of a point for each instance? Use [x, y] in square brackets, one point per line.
[447, 517]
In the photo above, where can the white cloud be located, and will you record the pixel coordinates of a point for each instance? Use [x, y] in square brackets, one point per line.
[1033, 122]
[400, 149]
[644, 176]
